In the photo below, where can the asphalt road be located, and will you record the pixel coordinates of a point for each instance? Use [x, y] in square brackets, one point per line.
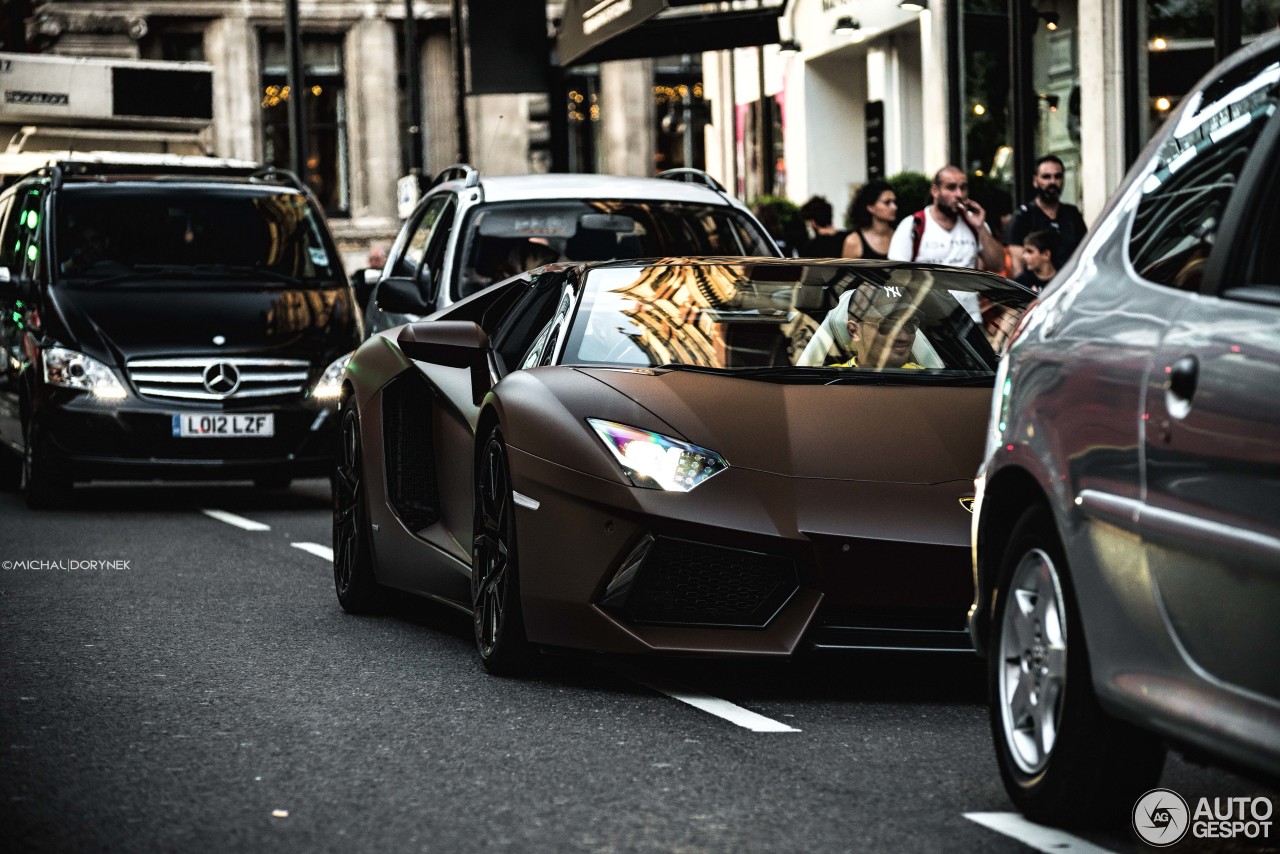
[199, 689]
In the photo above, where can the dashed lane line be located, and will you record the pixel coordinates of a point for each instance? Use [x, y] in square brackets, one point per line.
[316, 549]
[238, 521]
[712, 705]
[721, 708]
[1047, 839]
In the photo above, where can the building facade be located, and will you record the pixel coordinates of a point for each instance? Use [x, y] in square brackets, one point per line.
[870, 88]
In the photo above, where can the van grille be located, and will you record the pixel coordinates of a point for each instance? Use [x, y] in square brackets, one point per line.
[207, 378]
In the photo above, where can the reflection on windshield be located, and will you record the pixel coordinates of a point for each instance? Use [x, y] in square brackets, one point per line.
[728, 316]
[118, 233]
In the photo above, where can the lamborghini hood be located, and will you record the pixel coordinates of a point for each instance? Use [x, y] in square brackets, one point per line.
[880, 433]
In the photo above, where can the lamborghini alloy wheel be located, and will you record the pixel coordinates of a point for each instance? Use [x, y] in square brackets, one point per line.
[353, 579]
[499, 623]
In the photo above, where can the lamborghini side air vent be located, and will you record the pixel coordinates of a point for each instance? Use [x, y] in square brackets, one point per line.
[408, 445]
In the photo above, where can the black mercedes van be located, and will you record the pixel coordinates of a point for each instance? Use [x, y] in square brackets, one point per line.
[174, 322]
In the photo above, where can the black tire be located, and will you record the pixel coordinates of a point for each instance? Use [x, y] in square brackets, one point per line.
[10, 471]
[274, 482]
[495, 582]
[46, 484]
[1064, 761]
[353, 578]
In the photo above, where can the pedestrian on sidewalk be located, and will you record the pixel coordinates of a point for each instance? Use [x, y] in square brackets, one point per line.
[873, 214]
[826, 241]
[952, 230]
[1045, 211]
[1039, 255]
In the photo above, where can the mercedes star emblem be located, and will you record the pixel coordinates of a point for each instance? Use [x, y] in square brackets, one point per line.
[222, 378]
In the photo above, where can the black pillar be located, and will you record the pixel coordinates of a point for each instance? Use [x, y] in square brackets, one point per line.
[955, 87]
[1226, 29]
[460, 81]
[1026, 102]
[558, 114]
[298, 137]
[766, 130]
[413, 73]
[1133, 97]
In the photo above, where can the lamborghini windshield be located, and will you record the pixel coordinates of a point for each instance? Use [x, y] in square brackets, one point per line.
[827, 318]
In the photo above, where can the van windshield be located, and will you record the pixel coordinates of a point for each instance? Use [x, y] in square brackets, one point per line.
[119, 232]
[506, 238]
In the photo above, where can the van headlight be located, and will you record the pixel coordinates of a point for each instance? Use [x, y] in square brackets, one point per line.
[70, 369]
[330, 383]
[654, 461]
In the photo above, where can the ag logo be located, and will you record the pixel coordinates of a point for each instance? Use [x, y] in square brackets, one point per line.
[1161, 817]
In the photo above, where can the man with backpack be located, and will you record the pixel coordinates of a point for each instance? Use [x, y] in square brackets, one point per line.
[1046, 211]
[952, 230]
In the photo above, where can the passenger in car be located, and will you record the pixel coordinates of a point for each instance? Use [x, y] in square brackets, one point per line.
[882, 326]
[527, 255]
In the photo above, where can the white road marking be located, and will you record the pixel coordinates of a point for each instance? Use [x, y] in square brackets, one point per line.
[1047, 839]
[722, 709]
[316, 549]
[238, 521]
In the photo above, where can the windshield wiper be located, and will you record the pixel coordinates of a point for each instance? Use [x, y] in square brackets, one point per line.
[785, 372]
[142, 272]
[245, 271]
[839, 376]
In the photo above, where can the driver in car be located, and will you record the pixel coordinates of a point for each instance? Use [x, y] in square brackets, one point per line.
[882, 325]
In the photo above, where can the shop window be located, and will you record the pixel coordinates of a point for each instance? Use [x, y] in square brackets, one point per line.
[985, 105]
[680, 114]
[325, 164]
[1180, 48]
[582, 115]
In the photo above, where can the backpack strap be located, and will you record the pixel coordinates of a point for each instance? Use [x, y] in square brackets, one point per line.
[917, 232]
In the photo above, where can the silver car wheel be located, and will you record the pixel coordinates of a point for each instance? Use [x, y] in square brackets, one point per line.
[1033, 661]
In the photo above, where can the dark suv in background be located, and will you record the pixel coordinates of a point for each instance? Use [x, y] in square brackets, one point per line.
[182, 322]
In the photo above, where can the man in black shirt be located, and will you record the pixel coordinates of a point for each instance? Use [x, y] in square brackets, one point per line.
[826, 242]
[1045, 211]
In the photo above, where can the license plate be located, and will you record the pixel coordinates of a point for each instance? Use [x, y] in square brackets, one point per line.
[193, 426]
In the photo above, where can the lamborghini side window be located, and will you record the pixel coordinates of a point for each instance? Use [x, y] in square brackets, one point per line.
[543, 351]
[528, 318]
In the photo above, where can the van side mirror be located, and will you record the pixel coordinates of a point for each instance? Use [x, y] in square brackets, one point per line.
[452, 344]
[363, 282]
[402, 295]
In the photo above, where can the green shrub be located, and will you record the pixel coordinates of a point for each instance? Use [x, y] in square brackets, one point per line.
[912, 190]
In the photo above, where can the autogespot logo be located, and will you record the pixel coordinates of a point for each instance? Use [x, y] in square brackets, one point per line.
[1160, 817]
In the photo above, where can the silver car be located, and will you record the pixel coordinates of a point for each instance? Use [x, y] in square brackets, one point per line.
[1127, 523]
[471, 231]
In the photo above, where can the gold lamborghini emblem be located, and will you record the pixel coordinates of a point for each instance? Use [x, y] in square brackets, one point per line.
[967, 503]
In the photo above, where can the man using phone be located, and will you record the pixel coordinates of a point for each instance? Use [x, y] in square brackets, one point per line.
[952, 230]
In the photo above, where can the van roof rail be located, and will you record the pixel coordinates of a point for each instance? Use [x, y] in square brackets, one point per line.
[691, 176]
[59, 169]
[465, 172]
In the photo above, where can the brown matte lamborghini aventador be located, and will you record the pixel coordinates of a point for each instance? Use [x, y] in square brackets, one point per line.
[738, 456]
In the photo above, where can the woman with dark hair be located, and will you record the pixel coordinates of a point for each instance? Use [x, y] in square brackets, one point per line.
[873, 214]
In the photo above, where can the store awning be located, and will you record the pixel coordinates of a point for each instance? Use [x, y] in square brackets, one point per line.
[603, 30]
